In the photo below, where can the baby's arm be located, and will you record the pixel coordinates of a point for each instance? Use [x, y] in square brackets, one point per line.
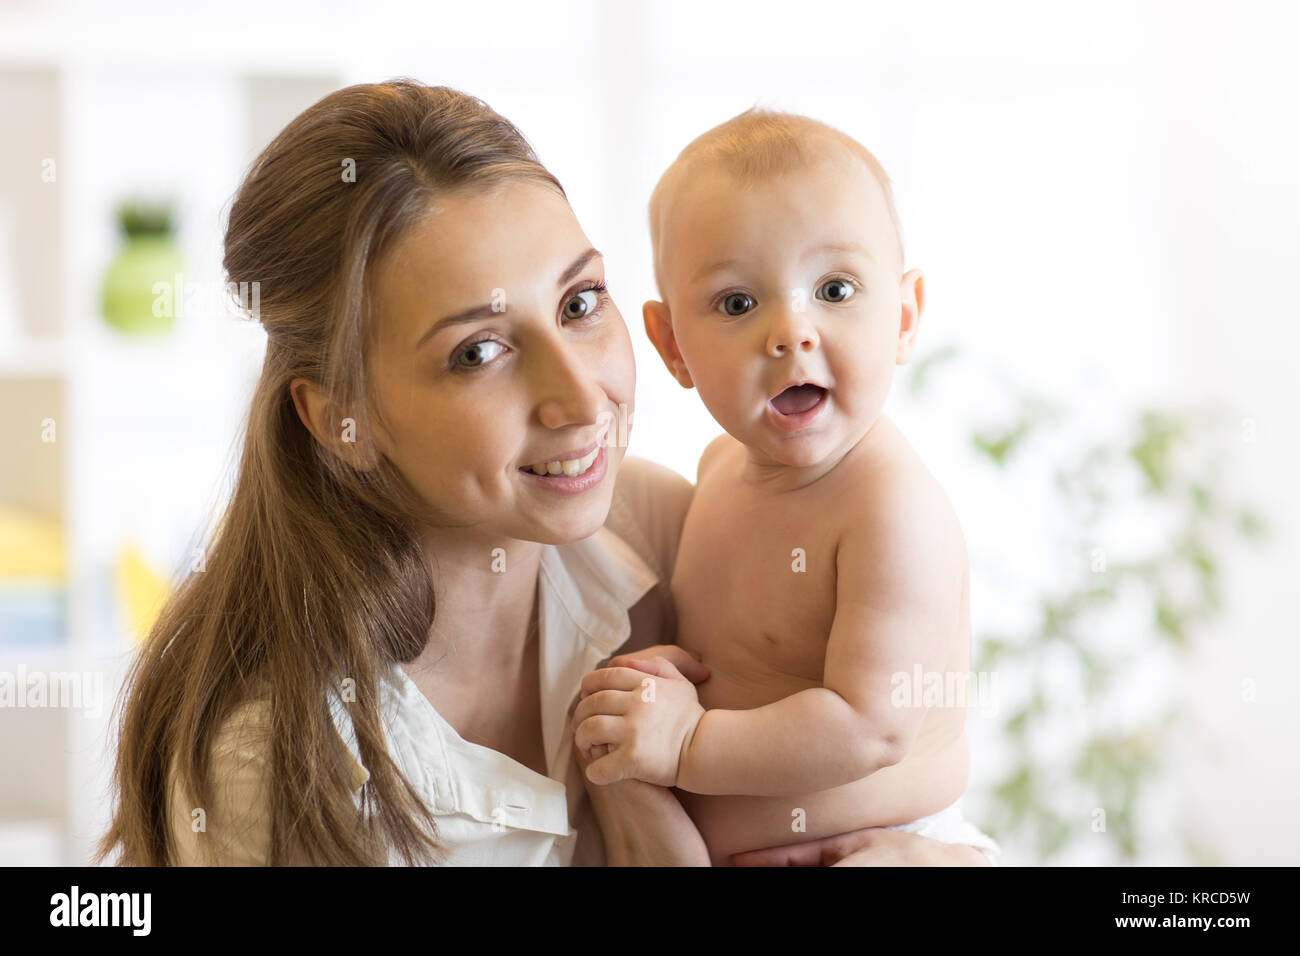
[900, 571]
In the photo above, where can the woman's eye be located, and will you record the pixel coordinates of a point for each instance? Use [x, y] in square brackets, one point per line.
[836, 290]
[479, 353]
[581, 304]
[737, 303]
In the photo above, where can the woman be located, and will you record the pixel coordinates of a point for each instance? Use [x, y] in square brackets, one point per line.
[376, 662]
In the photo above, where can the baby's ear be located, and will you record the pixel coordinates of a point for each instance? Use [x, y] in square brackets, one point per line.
[659, 326]
[912, 294]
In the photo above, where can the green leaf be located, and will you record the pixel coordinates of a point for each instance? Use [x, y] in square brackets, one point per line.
[1015, 793]
[1017, 722]
[990, 651]
[922, 369]
[1056, 618]
[1121, 825]
[144, 217]
[1251, 526]
[998, 446]
[1054, 833]
[1100, 594]
[1203, 561]
[1096, 670]
[1170, 623]
[1154, 447]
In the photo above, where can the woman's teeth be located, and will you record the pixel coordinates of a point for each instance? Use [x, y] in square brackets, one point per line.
[570, 467]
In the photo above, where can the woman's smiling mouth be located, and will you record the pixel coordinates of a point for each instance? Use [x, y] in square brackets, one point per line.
[570, 475]
[571, 464]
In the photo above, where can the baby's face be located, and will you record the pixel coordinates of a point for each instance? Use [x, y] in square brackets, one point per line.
[795, 280]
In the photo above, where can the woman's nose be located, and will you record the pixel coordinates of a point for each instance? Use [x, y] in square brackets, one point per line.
[791, 330]
[568, 381]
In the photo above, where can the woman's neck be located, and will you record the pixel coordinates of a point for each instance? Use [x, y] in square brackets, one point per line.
[486, 597]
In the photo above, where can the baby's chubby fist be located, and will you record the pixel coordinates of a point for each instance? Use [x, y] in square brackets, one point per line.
[642, 716]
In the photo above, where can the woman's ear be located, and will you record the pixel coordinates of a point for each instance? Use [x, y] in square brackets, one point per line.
[334, 432]
[659, 326]
[912, 294]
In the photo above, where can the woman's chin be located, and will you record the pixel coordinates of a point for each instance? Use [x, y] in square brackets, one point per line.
[568, 531]
[573, 520]
[574, 508]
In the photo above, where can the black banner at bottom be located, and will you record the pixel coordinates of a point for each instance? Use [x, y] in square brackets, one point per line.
[335, 906]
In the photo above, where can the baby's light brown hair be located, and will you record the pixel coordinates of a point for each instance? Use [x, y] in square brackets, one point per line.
[753, 146]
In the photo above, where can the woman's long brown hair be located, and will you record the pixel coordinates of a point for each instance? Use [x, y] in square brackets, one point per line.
[314, 575]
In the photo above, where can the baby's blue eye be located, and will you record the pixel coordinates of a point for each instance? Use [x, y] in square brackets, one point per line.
[581, 304]
[836, 290]
[475, 351]
[737, 303]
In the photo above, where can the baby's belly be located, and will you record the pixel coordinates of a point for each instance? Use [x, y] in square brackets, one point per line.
[929, 778]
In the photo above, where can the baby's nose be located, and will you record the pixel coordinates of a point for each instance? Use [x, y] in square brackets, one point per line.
[791, 331]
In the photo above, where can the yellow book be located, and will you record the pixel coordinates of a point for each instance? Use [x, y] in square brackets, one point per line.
[143, 589]
[31, 546]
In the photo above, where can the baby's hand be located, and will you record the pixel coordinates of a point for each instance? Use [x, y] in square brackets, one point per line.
[646, 712]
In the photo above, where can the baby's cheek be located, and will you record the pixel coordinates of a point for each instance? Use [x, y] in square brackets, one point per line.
[862, 390]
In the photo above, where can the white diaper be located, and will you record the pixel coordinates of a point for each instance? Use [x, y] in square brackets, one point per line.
[949, 825]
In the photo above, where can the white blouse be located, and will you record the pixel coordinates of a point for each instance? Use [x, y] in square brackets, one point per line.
[490, 809]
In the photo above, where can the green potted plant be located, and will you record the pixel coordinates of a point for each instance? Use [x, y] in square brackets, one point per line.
[141, 294]
[1113, 606]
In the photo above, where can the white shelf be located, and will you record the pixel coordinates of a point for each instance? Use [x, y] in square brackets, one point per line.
[32, 841]
[145, 426]
[32, 358]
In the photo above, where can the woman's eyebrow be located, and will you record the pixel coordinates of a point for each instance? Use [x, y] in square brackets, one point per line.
[468, 315]
[479, 312]
[579, 264]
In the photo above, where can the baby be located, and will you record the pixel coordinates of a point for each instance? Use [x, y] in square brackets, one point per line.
[821, 567]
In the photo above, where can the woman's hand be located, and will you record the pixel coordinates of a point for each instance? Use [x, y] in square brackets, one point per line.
[872, 846]
[687, 663]
[643, 825]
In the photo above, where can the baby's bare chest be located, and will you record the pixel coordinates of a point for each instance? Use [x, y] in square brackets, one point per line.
[754, 586]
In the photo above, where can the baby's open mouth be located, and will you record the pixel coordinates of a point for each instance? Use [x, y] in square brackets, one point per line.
[798, 398]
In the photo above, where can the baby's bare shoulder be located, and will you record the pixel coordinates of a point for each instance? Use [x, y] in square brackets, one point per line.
[897, 501]
[712, 453]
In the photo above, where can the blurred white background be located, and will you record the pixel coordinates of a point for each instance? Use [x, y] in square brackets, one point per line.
[1102, 197]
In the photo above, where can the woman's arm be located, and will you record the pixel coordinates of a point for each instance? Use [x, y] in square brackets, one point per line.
[235, 830]
[873, 846]
[643, 825]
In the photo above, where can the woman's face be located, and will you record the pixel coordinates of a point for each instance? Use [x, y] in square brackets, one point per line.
[494, 348]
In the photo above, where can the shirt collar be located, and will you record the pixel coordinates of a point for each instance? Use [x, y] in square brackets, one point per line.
[585, 590]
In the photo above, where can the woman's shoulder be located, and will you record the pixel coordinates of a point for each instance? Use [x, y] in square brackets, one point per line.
[236, 827]
[648, 510]
[246, 729]
[244, 738]
[642, 474]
